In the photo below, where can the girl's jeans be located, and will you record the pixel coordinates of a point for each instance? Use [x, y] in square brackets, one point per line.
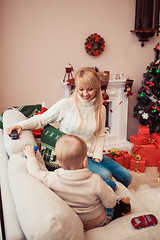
[108, 168]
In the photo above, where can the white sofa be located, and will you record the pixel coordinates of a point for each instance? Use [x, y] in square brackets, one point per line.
[32, 211]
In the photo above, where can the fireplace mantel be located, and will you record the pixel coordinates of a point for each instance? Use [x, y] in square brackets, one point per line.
[116, 137]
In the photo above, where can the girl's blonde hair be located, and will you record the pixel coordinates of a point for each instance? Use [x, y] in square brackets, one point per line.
[70, 150]
[88, 78]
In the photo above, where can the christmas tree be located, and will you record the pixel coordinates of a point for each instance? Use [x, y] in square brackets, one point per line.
[147, 109]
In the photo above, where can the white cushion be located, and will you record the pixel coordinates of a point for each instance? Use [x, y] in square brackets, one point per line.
[121, 229]
[144, 201]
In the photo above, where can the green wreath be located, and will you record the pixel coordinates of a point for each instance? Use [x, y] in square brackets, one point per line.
[94, 44]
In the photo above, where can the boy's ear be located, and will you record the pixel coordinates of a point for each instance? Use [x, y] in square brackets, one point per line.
[85, 162]
[59, 163]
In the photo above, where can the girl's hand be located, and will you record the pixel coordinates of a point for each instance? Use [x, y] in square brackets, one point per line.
[29, 151]
[18, 128]
[97, 160]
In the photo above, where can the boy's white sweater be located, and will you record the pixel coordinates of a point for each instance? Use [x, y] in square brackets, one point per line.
[66, 113]
[82, 190]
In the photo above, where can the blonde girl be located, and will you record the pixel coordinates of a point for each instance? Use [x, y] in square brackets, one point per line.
[83, 114]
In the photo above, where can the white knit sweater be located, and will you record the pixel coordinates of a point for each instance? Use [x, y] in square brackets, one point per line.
[82, 190]
[66, 113]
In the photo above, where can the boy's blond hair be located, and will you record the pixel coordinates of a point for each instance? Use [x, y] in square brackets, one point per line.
[88, 78]
[70, 151]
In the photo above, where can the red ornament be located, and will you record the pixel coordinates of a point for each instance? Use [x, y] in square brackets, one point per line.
[158, 47]
[68, 77]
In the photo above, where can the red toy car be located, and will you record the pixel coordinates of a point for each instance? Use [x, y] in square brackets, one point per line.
[144, 221]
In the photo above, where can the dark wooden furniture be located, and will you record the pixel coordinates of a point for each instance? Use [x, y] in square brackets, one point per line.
[146, 19]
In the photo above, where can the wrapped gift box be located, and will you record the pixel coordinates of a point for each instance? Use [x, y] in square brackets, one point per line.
[119, 160]
[139, 139]
[156, 136]
[127, 159]
[147, 147]
[143, 130]
[149, 151]
[138, 165]
[123, 160]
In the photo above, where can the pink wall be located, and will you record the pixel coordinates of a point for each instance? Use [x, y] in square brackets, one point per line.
[40, 37]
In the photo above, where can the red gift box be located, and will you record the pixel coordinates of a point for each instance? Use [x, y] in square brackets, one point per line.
[127, 159]
[138, 165]
[139, 139]
[119, 160]
[149, 151]
[123, 159]
[143, 130]
[156, 136]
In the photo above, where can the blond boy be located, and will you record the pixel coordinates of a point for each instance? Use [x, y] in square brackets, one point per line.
[85, 192]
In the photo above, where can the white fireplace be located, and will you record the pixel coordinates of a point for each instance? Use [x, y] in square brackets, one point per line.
[116, 137]
[116, 132]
